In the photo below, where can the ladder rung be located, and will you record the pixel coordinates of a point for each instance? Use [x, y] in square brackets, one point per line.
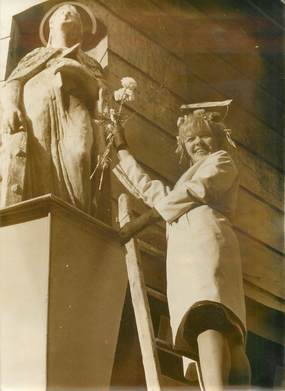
[149, 249]
[156, 294]
[174, 384]
[166, 347]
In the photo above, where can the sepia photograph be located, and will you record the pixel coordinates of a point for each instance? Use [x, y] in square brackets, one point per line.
[142, 195]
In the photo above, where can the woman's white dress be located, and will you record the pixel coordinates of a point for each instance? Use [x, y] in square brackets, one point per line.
[203, 258]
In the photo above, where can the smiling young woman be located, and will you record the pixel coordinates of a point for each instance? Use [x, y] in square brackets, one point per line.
[204, 276]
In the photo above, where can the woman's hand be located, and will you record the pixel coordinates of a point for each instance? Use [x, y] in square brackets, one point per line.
[129, 230]
[135, 226]
[119, 137]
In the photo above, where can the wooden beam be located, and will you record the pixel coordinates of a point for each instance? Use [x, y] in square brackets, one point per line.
[273, 13]
[265, 322]
[263, 297]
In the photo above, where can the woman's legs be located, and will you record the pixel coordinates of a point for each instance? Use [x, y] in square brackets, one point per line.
[215, 360]
[240, 373]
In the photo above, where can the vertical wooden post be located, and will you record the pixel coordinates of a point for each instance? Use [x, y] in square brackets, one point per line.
[140, 304]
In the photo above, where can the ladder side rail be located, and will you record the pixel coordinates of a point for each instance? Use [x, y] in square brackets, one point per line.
[140, 303]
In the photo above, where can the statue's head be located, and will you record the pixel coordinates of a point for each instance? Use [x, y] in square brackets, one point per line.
[200, 134]
[66, 18]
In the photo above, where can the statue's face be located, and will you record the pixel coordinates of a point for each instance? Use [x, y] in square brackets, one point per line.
[199, 143]
[65, 17]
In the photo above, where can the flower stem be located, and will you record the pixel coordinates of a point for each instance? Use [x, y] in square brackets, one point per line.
[122, 102]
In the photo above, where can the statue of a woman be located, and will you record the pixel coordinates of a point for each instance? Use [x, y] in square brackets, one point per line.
[204, 275]
[50, 99]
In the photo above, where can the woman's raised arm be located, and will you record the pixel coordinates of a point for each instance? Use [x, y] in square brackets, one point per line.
[134, 177]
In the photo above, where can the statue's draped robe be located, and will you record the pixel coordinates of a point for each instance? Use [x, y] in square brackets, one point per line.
[203, 258]
[60, 134]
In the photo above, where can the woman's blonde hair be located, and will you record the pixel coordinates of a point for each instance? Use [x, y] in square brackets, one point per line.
[200, 120]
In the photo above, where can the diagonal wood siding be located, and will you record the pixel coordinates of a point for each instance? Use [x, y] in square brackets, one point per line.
[144, 43]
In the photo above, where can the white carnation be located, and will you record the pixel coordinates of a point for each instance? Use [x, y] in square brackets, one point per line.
[119, 94]
[126, 94]
[129, 83]
[130, 95]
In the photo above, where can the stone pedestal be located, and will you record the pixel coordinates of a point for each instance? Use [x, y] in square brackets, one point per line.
[63, 283]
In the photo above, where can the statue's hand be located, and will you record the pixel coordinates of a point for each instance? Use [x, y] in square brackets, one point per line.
[102, 102]
[79, 73]
[70, 66]
[13, 120]
[73, 68]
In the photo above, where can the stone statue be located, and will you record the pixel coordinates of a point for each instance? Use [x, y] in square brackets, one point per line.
[47, 106]
[204, 275]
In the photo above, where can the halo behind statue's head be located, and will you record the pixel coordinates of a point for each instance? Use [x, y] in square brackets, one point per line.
[80, 9]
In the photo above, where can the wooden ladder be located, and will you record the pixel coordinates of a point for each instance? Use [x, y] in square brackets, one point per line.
[149, 344]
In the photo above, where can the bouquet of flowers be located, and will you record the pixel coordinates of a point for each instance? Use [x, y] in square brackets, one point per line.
[110, 118]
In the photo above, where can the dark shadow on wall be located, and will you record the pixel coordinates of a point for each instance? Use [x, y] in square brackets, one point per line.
[267, 362]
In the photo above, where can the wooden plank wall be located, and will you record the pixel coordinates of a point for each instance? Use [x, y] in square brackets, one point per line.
[139, 47]
[189, 51]
[147, 41]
